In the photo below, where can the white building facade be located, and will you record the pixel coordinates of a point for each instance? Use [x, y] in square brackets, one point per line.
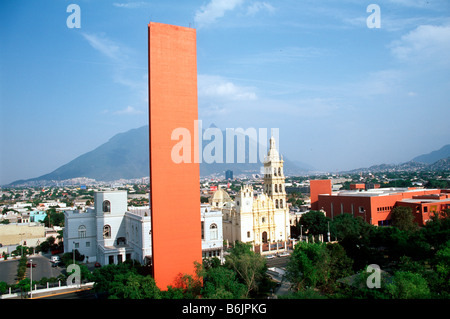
[212, 234]
[262, 218]
[109, 233]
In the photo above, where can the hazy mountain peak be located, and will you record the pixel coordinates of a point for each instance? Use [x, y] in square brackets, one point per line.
[433, 156]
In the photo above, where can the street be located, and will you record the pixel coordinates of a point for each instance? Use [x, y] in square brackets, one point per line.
[43, 268]
[279, 262]
[8, 269]
[83, 294]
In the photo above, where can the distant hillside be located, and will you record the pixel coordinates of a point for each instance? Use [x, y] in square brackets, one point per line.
[435, 161]
[126, 156]
[441, 165]
[434, 156]
[411, 166]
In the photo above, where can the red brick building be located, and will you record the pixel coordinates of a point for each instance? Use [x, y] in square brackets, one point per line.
[375, 205]
[319, 187]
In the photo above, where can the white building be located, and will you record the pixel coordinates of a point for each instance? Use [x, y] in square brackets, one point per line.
[260, 218]
[212, 235]
[109, 233]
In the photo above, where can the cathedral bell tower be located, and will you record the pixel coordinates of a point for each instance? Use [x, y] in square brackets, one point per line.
[244, 200]
[274, 176]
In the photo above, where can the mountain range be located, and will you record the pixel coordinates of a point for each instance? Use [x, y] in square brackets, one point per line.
[126, 156]
[434, 156]
[434, 161]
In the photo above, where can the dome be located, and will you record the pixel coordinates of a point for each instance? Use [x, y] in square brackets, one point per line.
[221, 196]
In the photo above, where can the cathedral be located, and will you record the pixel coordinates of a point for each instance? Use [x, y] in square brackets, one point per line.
[262, 218]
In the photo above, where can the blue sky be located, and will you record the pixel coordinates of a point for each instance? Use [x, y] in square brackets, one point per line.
[343, 95]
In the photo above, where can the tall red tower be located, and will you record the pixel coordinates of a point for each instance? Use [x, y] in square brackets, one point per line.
[174, 187]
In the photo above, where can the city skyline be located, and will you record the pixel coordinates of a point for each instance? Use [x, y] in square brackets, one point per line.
[315, 70]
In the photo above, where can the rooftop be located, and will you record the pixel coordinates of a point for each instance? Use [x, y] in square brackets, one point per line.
[378, 191]
[425, 200]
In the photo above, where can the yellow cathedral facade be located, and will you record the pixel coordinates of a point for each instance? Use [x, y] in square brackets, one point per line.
[262, 218]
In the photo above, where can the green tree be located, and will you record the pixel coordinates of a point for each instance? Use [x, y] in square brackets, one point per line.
[309, 266]
[22, 267]
[318, 266]
[403, 218]
[3, 287]
[204, 199]
[309, 293]
[340, 265]
[222, 283]
[24, 286]
[345, 225]
[53, 218]
[131, 285]
[439, 279]
[249, 266]
[360, 290]
[443, 262]
[408, 285]
[437, 230]
[67, 258]
[190, 285]
[314, 222]
[126, 281]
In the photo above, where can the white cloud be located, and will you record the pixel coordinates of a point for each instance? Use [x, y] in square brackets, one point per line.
[217, 87]
[214, 10]
[129, 110]
[105, 46]
[124, 72]
[426, 43]
[130, 5]
[259, 6]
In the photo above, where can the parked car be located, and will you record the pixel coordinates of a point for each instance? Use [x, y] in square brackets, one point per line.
[97, 264]
[31, 265]
[55, 259]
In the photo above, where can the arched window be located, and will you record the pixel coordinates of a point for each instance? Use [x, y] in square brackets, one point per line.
[275, 171]
[106, 206]
[276, 188]
[281, 189]
[281, 203]
[213, 232]
[106, 231]
[279, 171]
[82, 231]
[276, 203]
